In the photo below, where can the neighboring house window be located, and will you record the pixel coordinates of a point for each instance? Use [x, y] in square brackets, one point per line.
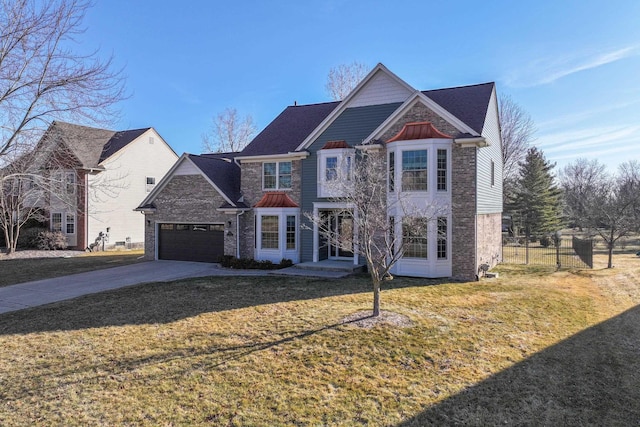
[151, 183]
[442, 170]
[71, 223]
[71, 182]
[442, 237]
[414, 238]
[56, 221]
[276, 175]
[414, 170]
[291, 232]
[269, 232]
[392, 170]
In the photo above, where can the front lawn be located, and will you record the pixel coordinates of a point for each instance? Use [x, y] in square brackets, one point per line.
[532, 347]
[21, 270]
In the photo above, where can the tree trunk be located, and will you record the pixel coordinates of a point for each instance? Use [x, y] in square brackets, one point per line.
[610, 263]
[376, 298]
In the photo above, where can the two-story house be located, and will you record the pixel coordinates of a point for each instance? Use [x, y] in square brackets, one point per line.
[442, 147]
[103, 175]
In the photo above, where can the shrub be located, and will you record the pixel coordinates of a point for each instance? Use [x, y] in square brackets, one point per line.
[29, 237]
[50, 240]
[545, 241]
[229, 261]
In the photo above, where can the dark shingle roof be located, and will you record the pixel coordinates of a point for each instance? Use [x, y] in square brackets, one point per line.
[222, 171]
[90, 145]
[468, 103]
[119, 140]
[287, 131]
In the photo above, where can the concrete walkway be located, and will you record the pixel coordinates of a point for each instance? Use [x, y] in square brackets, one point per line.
[32, 294]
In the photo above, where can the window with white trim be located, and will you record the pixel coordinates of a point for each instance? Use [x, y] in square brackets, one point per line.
[333, 165]
[414, 237]
[269, 232]
[414, 170]
[291, 232]
[276, 175]
[71, 223]
[56, 221]
[441, 170]
[442, 238]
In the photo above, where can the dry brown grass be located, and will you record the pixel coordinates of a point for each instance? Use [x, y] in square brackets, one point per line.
[19, 270]
[532, 347]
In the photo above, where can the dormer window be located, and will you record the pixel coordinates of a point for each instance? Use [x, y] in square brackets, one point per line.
[335, 162]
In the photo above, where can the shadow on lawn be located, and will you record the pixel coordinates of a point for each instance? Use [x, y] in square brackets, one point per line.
[591, 378]
[167, 302]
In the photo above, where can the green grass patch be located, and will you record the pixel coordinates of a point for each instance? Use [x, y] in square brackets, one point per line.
[549, 348]
[28, 269]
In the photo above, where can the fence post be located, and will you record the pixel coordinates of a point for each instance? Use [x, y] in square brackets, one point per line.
[526, 250]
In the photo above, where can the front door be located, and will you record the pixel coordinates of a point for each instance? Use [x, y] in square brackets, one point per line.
[341, 228]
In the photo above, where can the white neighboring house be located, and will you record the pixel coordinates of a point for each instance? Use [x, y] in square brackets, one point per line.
[107, 174]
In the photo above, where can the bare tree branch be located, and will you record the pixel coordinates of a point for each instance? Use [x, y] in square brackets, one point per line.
[517, 128]
[343, 79]
[229, 133]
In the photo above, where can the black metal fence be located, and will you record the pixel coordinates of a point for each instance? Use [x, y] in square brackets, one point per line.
[570, 252]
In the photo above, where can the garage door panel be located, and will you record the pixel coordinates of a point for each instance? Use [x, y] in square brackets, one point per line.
[191, 242]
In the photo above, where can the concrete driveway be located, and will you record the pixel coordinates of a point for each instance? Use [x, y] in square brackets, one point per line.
[31, 294]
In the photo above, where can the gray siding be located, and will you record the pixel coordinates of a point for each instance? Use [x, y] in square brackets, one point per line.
[490, 196]
[352, 126]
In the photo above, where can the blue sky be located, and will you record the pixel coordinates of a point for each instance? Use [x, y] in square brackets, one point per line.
[573, 65]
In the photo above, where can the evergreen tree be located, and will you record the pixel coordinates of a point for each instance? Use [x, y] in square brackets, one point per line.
[537, 200]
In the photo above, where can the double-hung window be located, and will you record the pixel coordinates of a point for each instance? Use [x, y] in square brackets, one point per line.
[441, 170]
[414, 237]
[442, 237]
[414, 170]
[276, 175]
[269, 231]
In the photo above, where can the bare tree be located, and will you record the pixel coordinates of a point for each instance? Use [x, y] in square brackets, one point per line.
[517, 128]
[612, 205]
[42, 79]
[581, 181]
[229, 132]
[343, 79]
[362, 188]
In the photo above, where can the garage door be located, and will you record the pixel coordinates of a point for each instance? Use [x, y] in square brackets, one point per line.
[191, 242]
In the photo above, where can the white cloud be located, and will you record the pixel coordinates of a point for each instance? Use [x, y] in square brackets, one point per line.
[576, 142]
[549, 69]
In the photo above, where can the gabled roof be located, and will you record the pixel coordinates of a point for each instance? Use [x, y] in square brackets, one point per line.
[91, 146]
[467, 103]
[222, 171]
[289, 129]
[218, 169]
[120, 140]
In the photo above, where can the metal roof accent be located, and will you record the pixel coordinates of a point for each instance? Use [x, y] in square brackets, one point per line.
[418, 130]
[276, 199]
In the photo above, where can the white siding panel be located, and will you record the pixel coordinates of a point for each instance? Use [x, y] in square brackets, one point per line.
[116, 192]
[381, 89]
[187, 168]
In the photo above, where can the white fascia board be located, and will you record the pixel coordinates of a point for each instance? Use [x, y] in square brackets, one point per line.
[345, 104]
[294, 155]
[232, 210]
[418, 96]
